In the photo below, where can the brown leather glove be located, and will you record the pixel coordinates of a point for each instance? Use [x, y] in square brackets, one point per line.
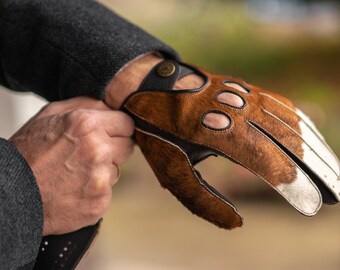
[175, 131]
[267, 135]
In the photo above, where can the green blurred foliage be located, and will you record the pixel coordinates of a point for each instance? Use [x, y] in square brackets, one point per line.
[220, 36]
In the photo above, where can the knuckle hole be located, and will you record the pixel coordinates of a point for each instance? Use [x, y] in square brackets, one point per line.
[236, 86]
[216, 120]
[231, 99]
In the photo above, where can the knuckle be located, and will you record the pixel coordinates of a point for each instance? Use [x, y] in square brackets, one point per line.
[100, 184]
[129, 125]
[127, 119]
[99, 152]
[104, 151]
[81, 121]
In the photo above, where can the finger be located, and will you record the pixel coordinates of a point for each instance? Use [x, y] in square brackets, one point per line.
[311, 126]
[276, 166]
[115, 123]
[277, 102]
[116, 175]
[122, 149]
[100, 181]
[175, 173]
[112, 177]
[292, 131]
[278, 98]
[314, 154]
[301, 123]
[106, 177]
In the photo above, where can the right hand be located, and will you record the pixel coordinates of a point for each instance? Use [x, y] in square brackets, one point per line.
[74, 148]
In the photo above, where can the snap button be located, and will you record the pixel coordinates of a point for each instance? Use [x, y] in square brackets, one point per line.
[166, 69]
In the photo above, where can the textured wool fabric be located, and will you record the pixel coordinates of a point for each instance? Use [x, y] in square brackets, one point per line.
[61, 48]
[57, 49]
[21, 213]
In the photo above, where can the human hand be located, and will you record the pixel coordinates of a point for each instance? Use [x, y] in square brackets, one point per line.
[226, 116]
[74, 148]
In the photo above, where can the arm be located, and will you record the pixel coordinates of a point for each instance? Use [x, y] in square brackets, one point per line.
[61, 49]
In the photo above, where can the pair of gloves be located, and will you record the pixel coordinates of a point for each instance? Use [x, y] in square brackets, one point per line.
[176, 130]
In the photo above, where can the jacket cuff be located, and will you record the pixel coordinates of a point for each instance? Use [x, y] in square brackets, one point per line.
[21, 211]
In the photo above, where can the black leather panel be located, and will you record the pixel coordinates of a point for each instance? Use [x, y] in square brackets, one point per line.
[65, 251]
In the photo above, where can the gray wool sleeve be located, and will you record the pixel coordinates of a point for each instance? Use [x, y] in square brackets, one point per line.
[21, 213]
[65, 48]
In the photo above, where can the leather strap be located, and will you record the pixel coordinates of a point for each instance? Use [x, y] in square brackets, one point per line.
[155, 81]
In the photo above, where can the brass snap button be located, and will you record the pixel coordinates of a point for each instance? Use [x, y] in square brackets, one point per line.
[166, 69]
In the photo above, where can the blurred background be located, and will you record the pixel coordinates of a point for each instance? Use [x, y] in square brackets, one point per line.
[291, 47]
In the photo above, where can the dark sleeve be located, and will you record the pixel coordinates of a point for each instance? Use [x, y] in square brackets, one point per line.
[65, 48]
[21, 214]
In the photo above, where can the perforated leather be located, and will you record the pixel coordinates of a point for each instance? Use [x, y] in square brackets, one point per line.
[266, 135]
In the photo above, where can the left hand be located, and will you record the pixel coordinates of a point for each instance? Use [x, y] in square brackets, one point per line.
[257, 129]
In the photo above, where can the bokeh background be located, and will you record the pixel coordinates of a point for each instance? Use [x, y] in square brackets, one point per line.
[291, 47]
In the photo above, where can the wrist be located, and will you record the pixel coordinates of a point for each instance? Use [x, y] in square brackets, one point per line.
[129, 78]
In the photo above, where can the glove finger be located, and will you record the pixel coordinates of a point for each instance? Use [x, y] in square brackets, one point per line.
[272, 100]
[277, 98]
[312, 127]
[174, 171]
[266, 159]
[294, 132]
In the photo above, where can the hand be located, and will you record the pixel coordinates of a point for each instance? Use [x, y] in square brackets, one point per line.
[74, 148]
[226, 116]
